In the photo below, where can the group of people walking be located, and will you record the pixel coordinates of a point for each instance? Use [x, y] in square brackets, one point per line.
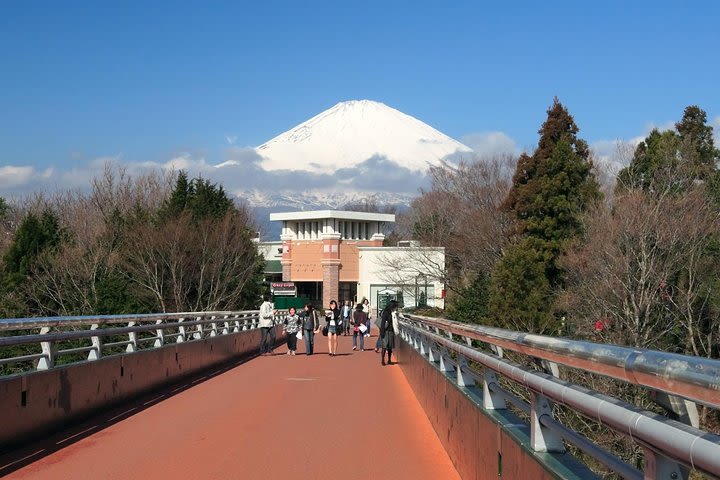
[306, 324]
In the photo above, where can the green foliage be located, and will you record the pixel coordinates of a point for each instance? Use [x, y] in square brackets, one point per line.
[35, 235]
[470, 304]
[521, 297]
[694, 130]
[4, 208]
[652, 156]
[551, 189]
[200, 198]
[674, 160]
[117, 295]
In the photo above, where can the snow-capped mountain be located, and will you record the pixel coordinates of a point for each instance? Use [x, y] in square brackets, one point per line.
[352, 132]
[319, 199]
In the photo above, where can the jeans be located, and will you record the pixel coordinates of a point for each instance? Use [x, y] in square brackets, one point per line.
[309, 341]
[292, 341]
[357, 334]
[267, 335]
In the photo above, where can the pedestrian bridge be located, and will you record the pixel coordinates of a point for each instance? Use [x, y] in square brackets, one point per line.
[186, 396]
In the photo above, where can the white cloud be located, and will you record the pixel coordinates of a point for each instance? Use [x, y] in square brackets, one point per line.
[231, 139]
[12, 176]
[490, 143]
[613, 155]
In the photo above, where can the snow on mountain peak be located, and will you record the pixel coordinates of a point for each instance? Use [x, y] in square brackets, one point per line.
[354, 131]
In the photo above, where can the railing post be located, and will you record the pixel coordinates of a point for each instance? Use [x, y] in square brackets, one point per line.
[246, 324]
[96, 342]
[468, 341]
[236, 324]
[682, 409]
[432, 353]
[182, 332]
[496, 350]
[160, 340]
[423, 348]
[49, 350]
[659, 467]
[462, 365]
[213, 327]
[226, 325]
[541, 438]
[491, 400]
[132, 337]
[197, 335]
[446, 364]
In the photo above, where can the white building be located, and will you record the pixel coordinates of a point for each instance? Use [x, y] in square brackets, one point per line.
[335, 254]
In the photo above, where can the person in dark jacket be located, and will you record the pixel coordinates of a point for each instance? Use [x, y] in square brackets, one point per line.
[388, 329]
[359, 317]
[311, 325]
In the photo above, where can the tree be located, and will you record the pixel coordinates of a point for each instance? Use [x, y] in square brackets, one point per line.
[197, 255]
[551, 189]
[673, 159]
[639, 271]
[471, 303]
[694, 130]
[461, 213]
[201, 198]
[35, 235]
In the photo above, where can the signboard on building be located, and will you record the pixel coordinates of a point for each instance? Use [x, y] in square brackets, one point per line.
[283, 289]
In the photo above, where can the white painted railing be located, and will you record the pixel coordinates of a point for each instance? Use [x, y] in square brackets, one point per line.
[129, 333]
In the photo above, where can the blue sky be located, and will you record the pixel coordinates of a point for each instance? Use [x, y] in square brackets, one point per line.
[81, 81]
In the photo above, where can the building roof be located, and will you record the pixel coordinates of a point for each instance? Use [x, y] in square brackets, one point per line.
[339, 214]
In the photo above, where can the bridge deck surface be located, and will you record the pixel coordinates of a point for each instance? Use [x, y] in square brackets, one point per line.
[318, 417]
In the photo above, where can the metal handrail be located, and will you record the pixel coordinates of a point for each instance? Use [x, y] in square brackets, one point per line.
[667, 443]
[180, 327]
[7, 324]
[694, 378]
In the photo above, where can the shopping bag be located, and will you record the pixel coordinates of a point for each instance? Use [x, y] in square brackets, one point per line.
[299, 335]
[362, 328]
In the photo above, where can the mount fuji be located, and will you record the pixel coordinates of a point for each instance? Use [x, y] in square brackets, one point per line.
[351, 132]
[356, 152]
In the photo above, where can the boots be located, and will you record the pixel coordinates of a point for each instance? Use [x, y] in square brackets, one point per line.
[382, 357]
[389, 362]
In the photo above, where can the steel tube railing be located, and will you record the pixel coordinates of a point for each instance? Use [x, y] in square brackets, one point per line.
[678, 442]
[609, 460]
[184, 326]
[69, 321]
[694, 378]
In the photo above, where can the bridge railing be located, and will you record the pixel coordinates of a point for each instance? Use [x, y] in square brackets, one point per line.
[92, 337]
[670, 447]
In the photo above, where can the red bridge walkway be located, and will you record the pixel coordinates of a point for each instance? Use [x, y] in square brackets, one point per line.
[274, 417]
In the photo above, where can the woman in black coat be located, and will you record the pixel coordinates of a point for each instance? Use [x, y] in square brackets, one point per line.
[388, 325]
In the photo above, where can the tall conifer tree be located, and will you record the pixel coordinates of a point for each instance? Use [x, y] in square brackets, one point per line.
[551, 188]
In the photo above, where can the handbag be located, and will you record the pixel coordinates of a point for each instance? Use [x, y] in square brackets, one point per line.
[362, 328]
[325, 331]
